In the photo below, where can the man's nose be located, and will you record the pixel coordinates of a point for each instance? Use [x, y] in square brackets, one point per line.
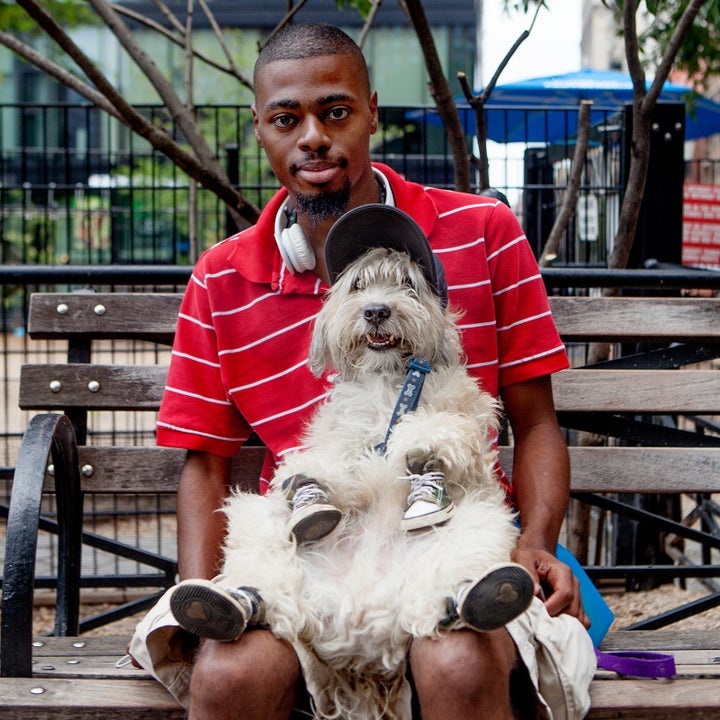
[314, 135]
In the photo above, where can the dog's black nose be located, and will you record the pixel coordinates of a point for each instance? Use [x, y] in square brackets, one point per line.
[375, 314]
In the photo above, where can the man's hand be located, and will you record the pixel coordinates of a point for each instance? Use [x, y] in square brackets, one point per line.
[555, 583]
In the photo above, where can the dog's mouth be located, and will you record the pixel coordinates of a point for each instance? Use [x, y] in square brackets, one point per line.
[381, 342]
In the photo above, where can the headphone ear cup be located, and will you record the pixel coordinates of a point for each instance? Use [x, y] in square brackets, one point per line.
[296, 250]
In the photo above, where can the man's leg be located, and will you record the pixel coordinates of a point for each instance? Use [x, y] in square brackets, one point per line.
[464, 675]
[255, 678]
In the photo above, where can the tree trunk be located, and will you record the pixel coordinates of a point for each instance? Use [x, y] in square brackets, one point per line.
[440, 91]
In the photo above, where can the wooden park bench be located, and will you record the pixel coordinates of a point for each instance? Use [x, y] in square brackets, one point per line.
[75, 676]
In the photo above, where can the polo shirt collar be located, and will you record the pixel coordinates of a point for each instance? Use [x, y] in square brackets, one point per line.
[256, 257]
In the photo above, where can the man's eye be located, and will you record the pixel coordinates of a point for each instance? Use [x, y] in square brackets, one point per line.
[338, 113]
[283, 121]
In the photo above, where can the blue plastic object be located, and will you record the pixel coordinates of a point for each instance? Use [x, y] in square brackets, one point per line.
[597, 610]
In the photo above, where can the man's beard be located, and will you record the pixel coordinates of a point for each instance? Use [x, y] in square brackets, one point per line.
[323, 206]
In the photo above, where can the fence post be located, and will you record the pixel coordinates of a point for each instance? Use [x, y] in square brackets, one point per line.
[232, 168]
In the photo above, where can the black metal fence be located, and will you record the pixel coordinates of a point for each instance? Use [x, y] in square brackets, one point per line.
[77, 187]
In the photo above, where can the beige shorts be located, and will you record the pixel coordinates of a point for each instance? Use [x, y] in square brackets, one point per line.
[557, 652]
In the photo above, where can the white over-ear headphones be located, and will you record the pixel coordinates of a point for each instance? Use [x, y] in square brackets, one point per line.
[292, 243]
[296, 252]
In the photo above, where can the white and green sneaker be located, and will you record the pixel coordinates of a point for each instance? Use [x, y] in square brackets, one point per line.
[313, 516]
[210, 610]
[428, 504]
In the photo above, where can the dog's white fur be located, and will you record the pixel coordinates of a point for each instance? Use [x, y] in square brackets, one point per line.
[351, 603]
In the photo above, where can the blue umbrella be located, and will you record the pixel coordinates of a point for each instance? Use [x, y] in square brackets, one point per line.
[544, 109]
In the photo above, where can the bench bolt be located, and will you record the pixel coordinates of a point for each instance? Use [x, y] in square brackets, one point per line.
[99, 309]
[55, 386]
[93, 386]
[87, 470]
[62, 309]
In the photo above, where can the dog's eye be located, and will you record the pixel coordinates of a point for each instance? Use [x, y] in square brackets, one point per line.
[408, 283]
[359, 284]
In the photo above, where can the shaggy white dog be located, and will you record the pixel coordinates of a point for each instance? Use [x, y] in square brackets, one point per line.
[351, 603]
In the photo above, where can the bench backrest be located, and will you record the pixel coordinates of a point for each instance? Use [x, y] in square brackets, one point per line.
[82, 385]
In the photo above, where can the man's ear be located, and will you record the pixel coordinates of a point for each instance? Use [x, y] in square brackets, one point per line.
[258, 139]
[374, 111]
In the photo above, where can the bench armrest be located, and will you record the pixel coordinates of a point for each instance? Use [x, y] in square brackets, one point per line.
[48, 436]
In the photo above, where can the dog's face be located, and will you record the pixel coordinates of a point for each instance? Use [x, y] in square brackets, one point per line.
[380, 313]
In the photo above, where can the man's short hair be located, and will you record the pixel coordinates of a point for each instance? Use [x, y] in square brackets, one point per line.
[307, 40]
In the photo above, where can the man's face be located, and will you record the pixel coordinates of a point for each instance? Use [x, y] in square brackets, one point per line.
[314, 118]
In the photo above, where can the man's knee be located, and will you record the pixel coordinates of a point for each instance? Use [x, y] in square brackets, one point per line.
[463, 658]
[464, 674]
[257, 674]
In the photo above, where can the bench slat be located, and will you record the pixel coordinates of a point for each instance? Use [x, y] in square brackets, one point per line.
[663, 640]
[626, 469]
[110, 699]
[616, 319]
[121, 387]
[687, 698]
[645, 469]
[623, 391]
[153, 316]
[149, 316]
[693, 698]
[660, 392]
[594, 469]
[155, 470]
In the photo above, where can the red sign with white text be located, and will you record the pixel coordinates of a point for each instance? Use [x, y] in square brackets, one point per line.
[701, 225]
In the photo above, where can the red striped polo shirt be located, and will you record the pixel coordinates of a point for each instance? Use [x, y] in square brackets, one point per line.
[239, 359]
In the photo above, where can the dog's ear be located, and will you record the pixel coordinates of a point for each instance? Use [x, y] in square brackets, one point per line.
[319, 355]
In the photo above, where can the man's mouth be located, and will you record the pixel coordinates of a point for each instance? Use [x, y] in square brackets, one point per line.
[381, 342]
[316, 172]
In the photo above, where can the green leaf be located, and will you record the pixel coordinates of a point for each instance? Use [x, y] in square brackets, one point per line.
[362, 6]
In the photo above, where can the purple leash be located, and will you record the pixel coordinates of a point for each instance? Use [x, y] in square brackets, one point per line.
[638, 664]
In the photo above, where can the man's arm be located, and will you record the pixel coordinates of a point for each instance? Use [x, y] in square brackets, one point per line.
[201, 528]
[541, 482]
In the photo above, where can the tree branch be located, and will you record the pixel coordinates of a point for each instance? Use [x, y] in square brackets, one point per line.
[60, 74]
[288, 17]
[208, 176]
[676, 41]
[137, 17]
[221, 41]
[369, 22]
[477, 103]
[182, 116]
[169, 15]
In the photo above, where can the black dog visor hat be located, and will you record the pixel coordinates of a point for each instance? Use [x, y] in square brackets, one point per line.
[372, 226]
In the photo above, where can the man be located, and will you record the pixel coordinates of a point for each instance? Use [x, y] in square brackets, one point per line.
[239, 366]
